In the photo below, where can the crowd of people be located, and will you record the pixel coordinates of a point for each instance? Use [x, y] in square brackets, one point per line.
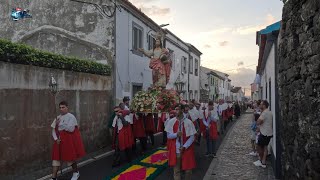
[182, 128]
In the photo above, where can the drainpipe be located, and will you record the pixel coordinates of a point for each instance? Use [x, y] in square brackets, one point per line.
[189, 77]
[277, 166]
[114, 63]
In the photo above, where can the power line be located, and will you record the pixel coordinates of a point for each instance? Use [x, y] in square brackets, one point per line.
[243, 66]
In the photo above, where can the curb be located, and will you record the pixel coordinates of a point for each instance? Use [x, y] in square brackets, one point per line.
[86, 162]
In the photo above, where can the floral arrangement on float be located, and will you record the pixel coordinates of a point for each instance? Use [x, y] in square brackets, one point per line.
[166, 100]
[155, 99]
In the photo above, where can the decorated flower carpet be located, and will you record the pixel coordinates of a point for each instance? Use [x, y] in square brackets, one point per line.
[147, 167]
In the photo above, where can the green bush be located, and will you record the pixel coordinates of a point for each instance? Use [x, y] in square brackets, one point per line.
[23, 54]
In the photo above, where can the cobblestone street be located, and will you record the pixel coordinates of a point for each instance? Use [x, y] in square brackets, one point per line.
[234, 161]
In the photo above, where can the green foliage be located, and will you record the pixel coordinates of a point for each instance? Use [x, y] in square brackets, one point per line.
[23, 54]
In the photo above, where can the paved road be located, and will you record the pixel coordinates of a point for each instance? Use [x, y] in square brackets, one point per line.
[233, 161]
[101, 168]
[203, 162]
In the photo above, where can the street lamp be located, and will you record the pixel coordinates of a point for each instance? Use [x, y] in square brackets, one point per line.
[179, 86]
[161, 26]
[53, 85]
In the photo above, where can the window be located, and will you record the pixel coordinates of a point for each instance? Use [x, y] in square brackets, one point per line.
[191, 65]
[173, 58]
[196, 67]
[266, 90]
[136, 88]
[185, 95]
[196, 95]
[137, 38]
[151, 42]
[269, 94]
[184, 65]
[190, 95]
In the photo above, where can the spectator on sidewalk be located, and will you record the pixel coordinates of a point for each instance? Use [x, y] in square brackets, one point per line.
[68, 146]
[265, 123]
[211, 133]
[253, 127]
[181, 131]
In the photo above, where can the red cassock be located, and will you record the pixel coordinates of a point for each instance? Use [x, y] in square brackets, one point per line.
[188, 158]
[125, 137]
[71, 146]
[195, 125]
[150, 128]
[138, 127]
[202, 127]
[224, 115]
[213, 131]
[230, 112]
[161, 121]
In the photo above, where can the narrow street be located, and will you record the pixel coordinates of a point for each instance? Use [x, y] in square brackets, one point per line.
[234, 161]
[79, 78]
[101, 168]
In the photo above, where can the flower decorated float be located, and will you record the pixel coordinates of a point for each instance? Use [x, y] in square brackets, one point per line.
[154, 100]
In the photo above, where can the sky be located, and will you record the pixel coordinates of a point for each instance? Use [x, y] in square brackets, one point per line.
[223, 30]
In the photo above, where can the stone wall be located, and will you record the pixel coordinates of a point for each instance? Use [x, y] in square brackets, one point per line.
[27, 108]
[61, 26]
[299, 83]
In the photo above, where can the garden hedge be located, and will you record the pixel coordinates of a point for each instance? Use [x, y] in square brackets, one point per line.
[24, 54]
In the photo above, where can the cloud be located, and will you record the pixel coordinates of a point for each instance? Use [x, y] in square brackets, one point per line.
[155, 11]
[207, 46]
[240, 63]
[270, 19]
[221, 30]
[245, 30]
[140, 2]
[241, 30]
[150, 10]
[242, 77]
[223, 43]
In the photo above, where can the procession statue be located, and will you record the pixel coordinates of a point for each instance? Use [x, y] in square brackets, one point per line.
[160, 62]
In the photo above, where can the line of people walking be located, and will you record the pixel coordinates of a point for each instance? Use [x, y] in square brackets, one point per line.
[182, 128]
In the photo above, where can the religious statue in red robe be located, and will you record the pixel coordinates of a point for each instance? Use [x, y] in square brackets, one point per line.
[160, 63]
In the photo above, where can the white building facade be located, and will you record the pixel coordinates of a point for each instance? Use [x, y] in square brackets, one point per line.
[193, 74]
[267, 40]
[136, 30]
[179, 51]
[132, 72]
[237, 94]
[268, 86]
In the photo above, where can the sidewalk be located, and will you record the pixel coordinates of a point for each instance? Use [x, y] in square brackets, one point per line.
[233, 161]
[203, 163]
